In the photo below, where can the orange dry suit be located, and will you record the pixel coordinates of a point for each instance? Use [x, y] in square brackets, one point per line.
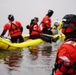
[66, 59]
[46, 22]
[14, 28]
[35, 30]
[46, 25]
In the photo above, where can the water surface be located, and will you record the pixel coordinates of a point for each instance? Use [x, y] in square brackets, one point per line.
[29, 61]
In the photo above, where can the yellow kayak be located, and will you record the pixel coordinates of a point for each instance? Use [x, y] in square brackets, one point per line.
[7, 45]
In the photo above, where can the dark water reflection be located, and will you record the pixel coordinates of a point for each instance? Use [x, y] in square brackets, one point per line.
[29, 61]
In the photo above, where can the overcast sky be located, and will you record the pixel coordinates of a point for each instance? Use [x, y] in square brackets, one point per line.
[25, 10]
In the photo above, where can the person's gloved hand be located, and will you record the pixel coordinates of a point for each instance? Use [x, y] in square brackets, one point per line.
[27, 26]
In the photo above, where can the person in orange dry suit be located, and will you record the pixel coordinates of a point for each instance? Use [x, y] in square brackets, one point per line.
[34, 28]
[15, 29]
[65, 63]
[46, 22]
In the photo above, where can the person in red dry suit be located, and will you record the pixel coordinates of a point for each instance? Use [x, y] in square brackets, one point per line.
[46, 22]
[65, 63]
[34, 28]
[15, 29]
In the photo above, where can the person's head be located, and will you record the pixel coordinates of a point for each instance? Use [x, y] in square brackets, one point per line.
[68, 25]
[10, 17]
[50, 13]
[36, 19]
[56, 23]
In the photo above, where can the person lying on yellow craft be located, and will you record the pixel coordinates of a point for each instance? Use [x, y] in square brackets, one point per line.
[57, 26]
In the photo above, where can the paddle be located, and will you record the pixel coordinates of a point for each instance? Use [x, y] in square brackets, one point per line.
[47, 35]
[61, 36]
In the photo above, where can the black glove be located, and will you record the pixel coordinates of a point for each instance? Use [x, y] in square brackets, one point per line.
[55, 39]
[1, 36]
[27, 26]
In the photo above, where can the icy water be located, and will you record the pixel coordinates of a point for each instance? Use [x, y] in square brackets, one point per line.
[29, 61]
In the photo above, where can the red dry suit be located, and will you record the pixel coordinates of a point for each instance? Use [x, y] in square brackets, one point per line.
[35, 29]
[14, 28]
[66, 59]
[46, 22]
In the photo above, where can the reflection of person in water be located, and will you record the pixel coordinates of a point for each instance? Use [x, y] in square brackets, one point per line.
[13, 59]
[46, 51]
[34, 52]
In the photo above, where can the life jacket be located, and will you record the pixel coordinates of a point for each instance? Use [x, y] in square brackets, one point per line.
[34, 29]
[71, 69]
[46, 22]
[14, 30]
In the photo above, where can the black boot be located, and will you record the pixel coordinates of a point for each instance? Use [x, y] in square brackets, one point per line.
[55, 39]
